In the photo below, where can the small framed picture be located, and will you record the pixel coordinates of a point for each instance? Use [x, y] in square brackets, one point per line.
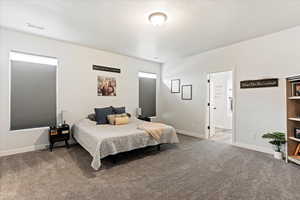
[296, 89]
[107, 86]
[175, 86]
[297, 133]
[187, 92]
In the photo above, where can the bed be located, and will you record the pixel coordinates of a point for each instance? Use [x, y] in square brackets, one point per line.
[104, 140]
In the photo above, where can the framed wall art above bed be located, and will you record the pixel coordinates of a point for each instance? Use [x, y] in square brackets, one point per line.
[107, 86]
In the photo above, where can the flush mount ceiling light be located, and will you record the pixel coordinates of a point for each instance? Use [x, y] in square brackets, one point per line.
[158, 18]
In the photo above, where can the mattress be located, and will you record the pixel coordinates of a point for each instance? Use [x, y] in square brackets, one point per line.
[103, 140]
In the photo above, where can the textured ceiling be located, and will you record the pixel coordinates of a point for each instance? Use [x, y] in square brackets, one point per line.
[122, 26]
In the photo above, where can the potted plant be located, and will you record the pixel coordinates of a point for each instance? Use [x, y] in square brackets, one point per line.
[277, 139]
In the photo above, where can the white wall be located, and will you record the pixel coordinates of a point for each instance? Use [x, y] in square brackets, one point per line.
[257, 110]
[77, 88]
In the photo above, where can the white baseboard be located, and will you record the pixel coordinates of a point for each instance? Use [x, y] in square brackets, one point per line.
[23, 149]
[188, 133]
[242, 145]
[254, 148]
[183, 132]
[28, 149]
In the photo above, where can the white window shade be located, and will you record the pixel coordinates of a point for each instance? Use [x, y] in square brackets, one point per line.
[147, 94]
[33, 91]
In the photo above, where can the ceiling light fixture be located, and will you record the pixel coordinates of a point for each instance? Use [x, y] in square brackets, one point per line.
[158, 18]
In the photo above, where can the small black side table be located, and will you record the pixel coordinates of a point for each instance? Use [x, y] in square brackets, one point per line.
[144, 118]
[58, 134]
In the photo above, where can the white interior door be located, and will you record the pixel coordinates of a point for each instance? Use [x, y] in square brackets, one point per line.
[212, 128]
[219, 101]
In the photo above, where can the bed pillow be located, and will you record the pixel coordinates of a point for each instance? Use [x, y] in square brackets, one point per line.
[119, 110]
[112, 118]
[101, 114]
[92, 117]
[121, 120]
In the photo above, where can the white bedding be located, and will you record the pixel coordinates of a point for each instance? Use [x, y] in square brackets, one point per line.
[103, 140]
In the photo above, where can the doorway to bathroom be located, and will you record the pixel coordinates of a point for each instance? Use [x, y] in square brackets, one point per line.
[220, 107]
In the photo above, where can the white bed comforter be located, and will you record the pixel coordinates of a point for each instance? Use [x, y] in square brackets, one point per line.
[103, 140]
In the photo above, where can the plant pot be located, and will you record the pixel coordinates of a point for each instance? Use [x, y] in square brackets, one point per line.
[278, 155]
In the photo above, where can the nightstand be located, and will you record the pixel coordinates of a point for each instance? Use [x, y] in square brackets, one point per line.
[58, 134]
[144, 118]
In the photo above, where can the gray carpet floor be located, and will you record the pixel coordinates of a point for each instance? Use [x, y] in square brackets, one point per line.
[193, 170]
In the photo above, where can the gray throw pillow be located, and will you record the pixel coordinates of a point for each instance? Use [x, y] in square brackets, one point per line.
[119, 110]
[101, 114]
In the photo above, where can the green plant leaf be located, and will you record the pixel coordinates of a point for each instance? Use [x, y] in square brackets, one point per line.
[277, 138]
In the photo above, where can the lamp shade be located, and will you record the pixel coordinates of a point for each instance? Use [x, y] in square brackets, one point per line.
[139, 111]
[63, 116]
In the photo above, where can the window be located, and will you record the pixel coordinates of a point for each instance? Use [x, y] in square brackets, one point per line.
[33, 91]
[147, 94]
[147, 75]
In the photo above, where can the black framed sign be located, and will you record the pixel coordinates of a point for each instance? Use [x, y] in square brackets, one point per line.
[106, 69]
[175, 86]
[261, 83]
[187, 92]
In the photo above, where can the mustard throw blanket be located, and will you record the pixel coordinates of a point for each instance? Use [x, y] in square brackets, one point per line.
[154, 129]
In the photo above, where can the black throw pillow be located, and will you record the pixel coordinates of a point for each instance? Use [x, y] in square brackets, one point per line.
[119, 110]
[101, 114]
[92, 117]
